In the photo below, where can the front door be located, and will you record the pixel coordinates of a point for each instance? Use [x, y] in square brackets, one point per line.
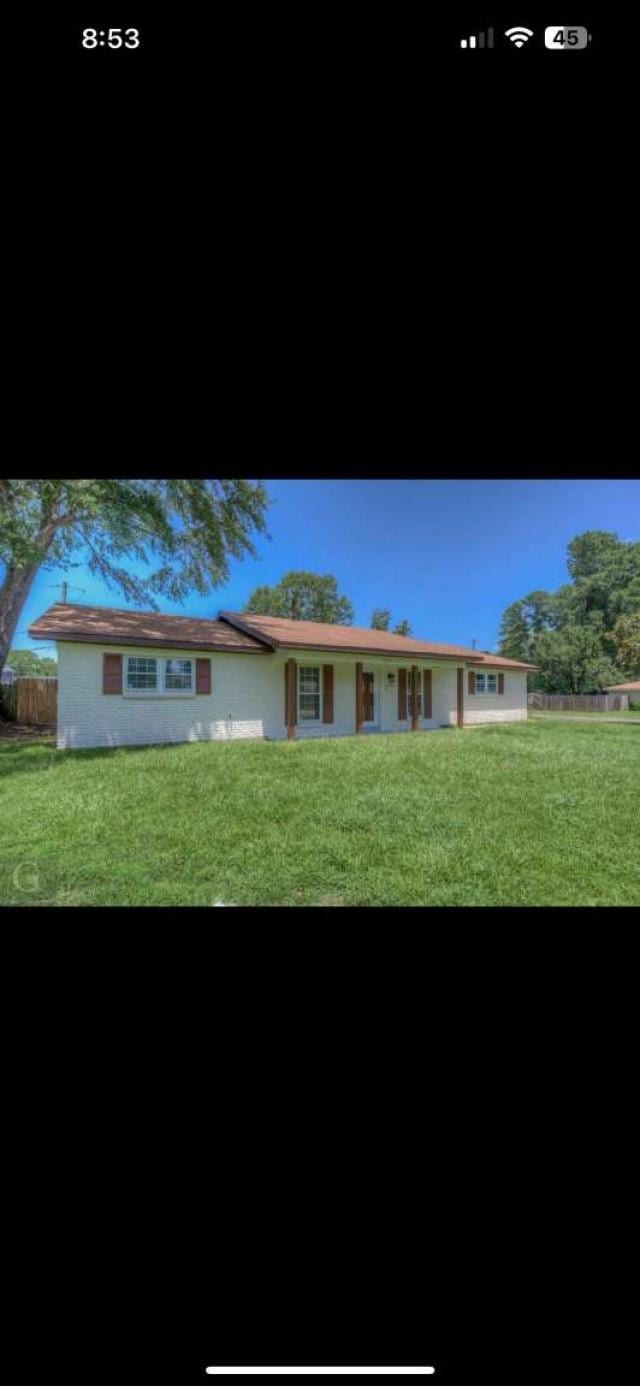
[368, 696]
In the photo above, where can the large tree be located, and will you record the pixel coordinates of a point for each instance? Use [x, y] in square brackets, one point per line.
[573, 633]
[186, 530]
[380, 619]
[302, 596]
[402, 628]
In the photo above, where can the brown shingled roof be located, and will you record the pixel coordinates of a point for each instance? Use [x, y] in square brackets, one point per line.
[107, 625]
[633, 687]
[499, 661]
[320, 635]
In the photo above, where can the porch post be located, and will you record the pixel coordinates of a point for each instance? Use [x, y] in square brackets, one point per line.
[415, 723]
[291, 699]
[460, 697]
[359, 697]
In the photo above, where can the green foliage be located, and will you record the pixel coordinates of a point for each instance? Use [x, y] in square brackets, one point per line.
[572, 661]
[626, 640]
[515, 635]
[381, 619]
[302, 596]
[190, 528]
[185, 529]
[571, 633]
[30, 664]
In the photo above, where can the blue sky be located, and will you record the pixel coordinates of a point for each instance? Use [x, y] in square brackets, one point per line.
[446, 555]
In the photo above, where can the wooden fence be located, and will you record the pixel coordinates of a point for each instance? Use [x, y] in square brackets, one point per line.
[32, 702]
[578, 702]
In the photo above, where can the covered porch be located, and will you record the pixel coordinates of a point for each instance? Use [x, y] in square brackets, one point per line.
[340, 696]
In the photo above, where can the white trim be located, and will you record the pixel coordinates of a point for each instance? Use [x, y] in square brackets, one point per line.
[159, 691]
[308, 721]
[485, 692]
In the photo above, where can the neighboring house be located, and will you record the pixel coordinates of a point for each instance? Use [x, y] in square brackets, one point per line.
[8, 675]
[134, 678]
[632, 690]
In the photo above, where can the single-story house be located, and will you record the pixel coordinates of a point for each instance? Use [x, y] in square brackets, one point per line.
[631, 689]
[131, 678]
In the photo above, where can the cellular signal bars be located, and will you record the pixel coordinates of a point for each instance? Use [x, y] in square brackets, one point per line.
[478, 40]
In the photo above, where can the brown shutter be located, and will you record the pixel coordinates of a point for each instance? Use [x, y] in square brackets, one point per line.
[501, 683]
[426, 693]
[112, 673]
[359, 697]
[327, 692]
[460, 696]
[402, 695]
[203, 676]
[290, 689]
[472, 681]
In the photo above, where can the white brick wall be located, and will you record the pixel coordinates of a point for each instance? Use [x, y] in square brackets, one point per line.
[510, 706]
[246, 700]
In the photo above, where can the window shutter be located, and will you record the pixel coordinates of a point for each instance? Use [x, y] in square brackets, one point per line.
[203, 676]
[112, 673]
[327, 692]
[472, 680]
[501, 683]
[402, 695]
[290, 693]
[426, 693]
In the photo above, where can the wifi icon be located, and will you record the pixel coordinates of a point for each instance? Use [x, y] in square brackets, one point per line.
[518, 35]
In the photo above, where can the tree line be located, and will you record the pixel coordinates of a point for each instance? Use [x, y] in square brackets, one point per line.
[586, 634]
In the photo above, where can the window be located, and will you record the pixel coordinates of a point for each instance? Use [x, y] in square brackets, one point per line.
[308, 694]
[162, 677]
[142, 675]
[486, 683]
[178, 673]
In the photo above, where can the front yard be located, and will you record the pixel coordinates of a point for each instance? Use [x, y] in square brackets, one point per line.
[535, 813]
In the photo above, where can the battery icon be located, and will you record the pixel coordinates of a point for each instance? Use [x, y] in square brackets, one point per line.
[561, 37]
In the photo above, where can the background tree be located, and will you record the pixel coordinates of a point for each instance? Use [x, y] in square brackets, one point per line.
[302, 596]
[572, 661]
[515, 638]
[402, 628]
[626, 641]
[187, 528]
[30, 664]
[380, 619]
[571, 633]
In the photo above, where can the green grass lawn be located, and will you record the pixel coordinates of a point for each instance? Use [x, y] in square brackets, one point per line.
[533, 813]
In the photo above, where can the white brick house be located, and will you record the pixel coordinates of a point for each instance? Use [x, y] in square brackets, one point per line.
[128, 678]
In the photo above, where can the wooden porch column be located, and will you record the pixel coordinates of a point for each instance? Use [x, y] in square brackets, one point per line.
[359, 697]
[460, 697]
[415, 721]
[290, 685]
